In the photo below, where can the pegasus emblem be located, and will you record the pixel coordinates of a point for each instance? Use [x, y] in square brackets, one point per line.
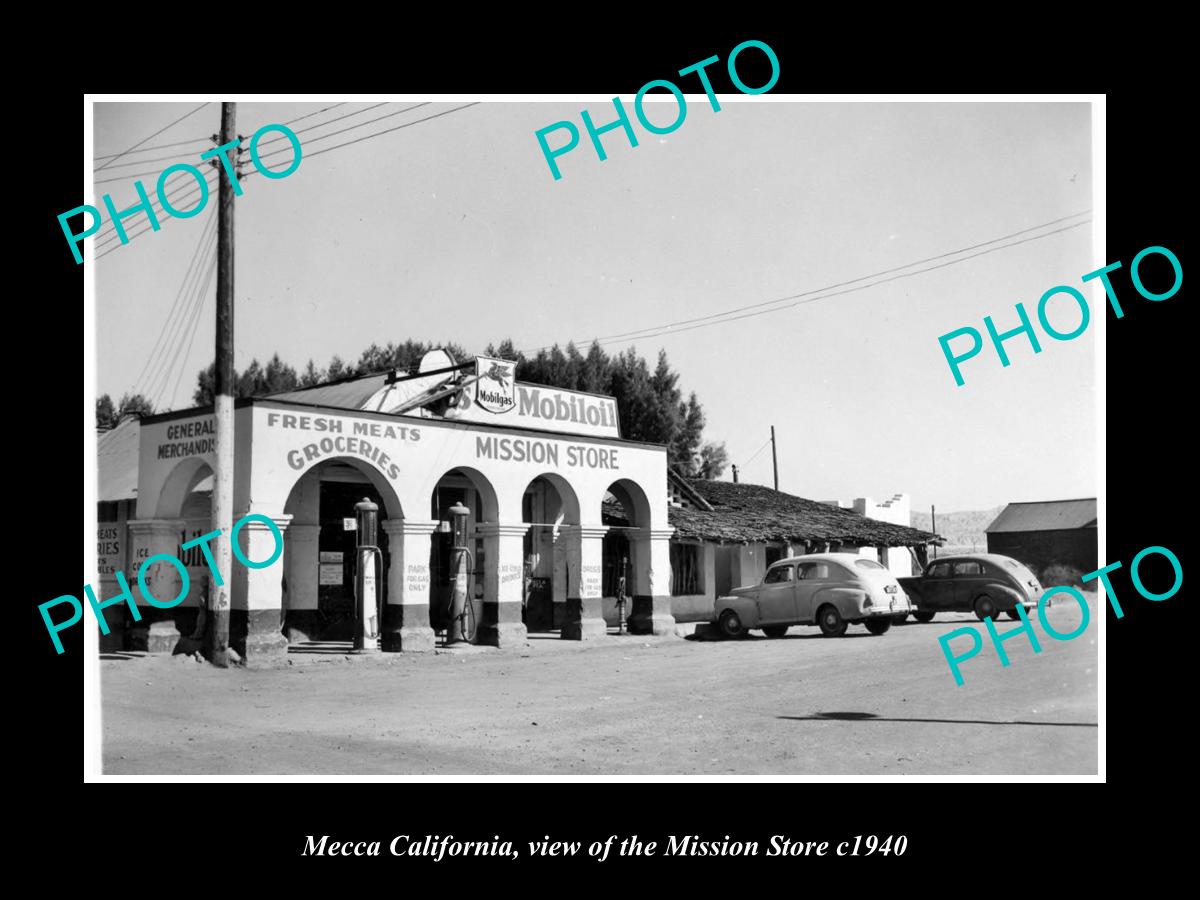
[498, 373]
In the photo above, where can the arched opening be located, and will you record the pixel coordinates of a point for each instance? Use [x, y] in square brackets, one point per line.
[551, 556]
[472, 489]
[183, 512]
[196, 513]
[317, 583]
[625, 510]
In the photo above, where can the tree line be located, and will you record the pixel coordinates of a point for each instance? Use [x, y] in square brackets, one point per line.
[651, 404]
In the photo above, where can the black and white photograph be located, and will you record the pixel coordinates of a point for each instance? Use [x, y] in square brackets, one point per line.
[700, 433]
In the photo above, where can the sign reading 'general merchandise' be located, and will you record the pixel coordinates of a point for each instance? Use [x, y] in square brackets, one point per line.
[497, 399]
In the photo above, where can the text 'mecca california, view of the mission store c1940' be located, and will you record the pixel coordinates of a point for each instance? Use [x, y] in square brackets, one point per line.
[563, 514]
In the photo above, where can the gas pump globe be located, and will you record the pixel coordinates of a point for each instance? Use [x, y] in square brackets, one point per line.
[458, 573]
[458, 524]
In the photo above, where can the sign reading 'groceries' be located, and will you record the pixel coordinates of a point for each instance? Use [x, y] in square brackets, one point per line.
[499, 400]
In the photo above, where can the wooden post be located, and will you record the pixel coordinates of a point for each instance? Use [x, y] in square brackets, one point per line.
[933, 525]
[222, 496]
[774, 458]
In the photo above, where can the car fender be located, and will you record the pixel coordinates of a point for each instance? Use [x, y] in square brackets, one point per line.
[847, 601]
[912, 587]
[1005, 596]
[745, 607]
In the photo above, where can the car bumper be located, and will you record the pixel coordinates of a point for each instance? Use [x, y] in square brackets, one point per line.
[894, 608]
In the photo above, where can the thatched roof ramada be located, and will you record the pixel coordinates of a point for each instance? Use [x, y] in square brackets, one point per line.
[753, 513]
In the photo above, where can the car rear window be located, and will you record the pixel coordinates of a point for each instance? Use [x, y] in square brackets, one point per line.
[868, 564]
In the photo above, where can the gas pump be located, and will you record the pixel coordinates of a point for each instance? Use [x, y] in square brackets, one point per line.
[621, 596]
[458, 575]
[368, 567]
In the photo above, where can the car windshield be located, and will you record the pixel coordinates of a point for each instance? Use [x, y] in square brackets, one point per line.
[867, 564]
[1020, 570]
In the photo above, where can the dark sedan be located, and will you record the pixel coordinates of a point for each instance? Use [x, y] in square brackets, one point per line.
[985, 583]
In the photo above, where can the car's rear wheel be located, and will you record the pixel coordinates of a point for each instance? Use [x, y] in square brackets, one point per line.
[831, 622]
[985, 608]
[731, 624]
[775, 631]
[879, 626]
[1013, 614]
[924, 616]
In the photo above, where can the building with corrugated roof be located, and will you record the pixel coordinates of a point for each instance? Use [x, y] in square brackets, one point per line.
[1046, 534]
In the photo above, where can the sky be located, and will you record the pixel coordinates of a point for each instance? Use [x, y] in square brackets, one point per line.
[455, 230]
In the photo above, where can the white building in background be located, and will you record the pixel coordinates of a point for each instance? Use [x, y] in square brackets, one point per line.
[897, 511]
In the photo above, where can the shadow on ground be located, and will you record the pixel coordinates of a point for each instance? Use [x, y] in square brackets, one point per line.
[871, 717]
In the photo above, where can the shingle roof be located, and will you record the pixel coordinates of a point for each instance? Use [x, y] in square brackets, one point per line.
[117, 461]
[754, 513]
[1045, 515]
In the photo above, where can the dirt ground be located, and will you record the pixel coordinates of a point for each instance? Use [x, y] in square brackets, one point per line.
[799, 705]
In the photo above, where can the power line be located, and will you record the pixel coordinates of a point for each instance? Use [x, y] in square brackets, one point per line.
[157, 133]
[105, 236]
[357, 140]
[160, 355]
[140, 174]
[309, 115]
[137, 382]
[728, 315]
[141, 162]
[195, 321]
[339, 131]
[265, 143]
[195, 299]
[756, 452]
[861, 277]
[863, 287]
[245, 175]
[284, 137]
[201, 140]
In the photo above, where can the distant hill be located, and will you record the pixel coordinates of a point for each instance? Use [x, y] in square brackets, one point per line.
[963, 531]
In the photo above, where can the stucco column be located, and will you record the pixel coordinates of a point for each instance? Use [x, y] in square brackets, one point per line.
[500, 623]
[585, 618]
[301, 566]
[406, 615]
[147, 538]
[256, 605]
[652, 611]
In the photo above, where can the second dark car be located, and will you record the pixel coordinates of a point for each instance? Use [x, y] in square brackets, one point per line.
[985, 583]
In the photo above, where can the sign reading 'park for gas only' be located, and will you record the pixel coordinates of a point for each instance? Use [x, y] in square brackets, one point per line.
[497, 399]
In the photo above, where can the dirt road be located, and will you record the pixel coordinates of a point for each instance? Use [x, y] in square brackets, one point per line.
[799, 705]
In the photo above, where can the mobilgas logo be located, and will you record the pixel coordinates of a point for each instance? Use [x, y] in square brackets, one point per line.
[495, 388]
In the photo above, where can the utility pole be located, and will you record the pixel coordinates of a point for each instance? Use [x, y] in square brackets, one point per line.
[774, 458]
[933, 525]
[222, 495]
[735, 481]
